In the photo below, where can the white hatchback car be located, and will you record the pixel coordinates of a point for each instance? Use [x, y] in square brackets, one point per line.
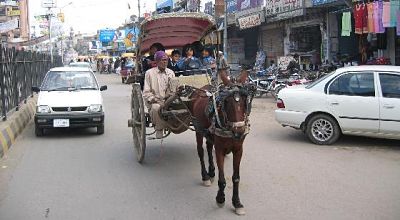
[69, 97]
[358, 100]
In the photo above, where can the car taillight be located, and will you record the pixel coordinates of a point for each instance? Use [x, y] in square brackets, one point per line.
[280, 104]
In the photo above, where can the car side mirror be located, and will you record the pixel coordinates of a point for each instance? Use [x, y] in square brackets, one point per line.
[102, 88]
[35, 89]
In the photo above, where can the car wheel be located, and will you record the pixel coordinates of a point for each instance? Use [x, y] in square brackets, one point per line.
[323, 130]
[39, 132]
[100, 129]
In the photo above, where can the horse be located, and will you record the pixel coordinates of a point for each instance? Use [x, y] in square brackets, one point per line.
[225, 130]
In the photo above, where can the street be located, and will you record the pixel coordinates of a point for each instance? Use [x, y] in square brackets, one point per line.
[77, 174]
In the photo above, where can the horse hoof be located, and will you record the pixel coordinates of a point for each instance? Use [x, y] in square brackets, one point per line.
[220, 205]
[207, 183]
[240, 211]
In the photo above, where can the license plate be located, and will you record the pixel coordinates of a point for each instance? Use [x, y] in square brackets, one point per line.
[61, 123]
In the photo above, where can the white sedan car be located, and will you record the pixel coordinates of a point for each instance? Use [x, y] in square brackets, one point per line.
[69, 97]
[358, 100]
[83, 64]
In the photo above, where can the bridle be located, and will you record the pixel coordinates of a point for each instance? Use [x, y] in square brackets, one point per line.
[224, 127]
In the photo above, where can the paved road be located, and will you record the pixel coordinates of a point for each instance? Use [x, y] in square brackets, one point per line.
[80, 175]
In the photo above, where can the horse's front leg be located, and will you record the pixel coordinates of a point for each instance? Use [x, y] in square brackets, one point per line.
[237, 156]
[220, 155]
[211, 167]
[200, 152]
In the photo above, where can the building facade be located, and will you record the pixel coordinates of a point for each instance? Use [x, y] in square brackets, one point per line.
[14, 22]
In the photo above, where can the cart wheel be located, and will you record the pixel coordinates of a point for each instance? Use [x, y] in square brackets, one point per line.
[138, 122]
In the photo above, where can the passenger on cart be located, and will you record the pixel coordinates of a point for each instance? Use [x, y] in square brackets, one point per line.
[156, 89]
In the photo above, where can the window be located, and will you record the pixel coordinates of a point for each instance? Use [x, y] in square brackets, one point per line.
[353, 84]
[390, 84]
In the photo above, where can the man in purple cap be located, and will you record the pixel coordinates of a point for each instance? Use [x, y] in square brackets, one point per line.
[156, 87]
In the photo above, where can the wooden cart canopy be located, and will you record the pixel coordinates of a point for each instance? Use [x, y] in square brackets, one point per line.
[174, 30]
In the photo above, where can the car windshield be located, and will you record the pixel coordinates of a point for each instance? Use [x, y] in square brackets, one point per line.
[319, 80]
[69, 80]
[80, 65]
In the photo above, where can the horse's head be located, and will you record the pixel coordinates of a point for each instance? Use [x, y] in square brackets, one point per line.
[235, 99]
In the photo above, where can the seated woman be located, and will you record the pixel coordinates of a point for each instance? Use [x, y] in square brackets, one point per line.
[189, 62]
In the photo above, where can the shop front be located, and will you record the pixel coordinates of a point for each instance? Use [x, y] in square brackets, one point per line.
[249, 20]
[366, 36]
[290, 29]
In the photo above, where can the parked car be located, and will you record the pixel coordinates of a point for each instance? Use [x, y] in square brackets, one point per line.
[361, 100]
[84, 65]
[69, 97]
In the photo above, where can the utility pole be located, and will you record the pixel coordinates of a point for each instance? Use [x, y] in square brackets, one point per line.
[49, 15]
[226, 29]
[139, 10]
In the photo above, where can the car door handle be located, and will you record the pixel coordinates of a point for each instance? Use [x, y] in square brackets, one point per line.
[388, 106]
[334, 103]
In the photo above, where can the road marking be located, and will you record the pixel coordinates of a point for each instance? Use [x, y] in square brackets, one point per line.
[11, 135]
[3, 144]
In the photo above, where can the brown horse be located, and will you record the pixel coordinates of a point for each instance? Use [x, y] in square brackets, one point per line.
[229, 123]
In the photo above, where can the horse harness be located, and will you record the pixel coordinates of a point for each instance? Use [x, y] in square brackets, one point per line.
[221, 126]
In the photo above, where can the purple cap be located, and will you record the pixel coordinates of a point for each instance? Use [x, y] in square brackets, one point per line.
[160, 55]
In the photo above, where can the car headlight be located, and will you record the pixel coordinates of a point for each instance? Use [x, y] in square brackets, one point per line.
[95, 108]
[43, 109]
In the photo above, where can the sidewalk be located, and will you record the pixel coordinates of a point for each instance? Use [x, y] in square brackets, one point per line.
[15, 124]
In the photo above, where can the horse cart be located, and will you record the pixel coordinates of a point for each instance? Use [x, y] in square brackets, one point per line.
[173, 31]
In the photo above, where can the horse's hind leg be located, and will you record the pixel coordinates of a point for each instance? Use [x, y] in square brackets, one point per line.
[211, 167]
[237, 156]
[200, 152]
[220, 155]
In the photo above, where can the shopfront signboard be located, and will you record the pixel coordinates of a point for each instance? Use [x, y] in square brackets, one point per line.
[322, 2]
[248, 4]
[283, 9]
[231, 6]
[8, 25]
[49, 3]
[13, 12]
[250, 21]
[164, 6]
[208, 8]
[9, 2]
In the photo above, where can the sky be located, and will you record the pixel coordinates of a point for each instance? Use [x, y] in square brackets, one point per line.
[88, 16]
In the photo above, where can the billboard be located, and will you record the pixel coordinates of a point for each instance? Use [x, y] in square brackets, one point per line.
[106, 35]
[231, 7]
[131, 36]
[208, 8]
[248, 4]
[164, 6]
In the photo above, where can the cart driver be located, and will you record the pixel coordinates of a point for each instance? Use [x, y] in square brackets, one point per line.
[156, 87]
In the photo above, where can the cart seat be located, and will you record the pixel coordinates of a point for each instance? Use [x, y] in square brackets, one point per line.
[178, 112]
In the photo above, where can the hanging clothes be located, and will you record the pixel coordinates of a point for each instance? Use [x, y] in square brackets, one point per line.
[371, 26]
[346, 24]
[378, 10]
[394, 7]
[386, 14]
[361, 18]
[398, 23]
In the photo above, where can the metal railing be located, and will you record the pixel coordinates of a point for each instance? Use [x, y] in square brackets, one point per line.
[19, 71]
